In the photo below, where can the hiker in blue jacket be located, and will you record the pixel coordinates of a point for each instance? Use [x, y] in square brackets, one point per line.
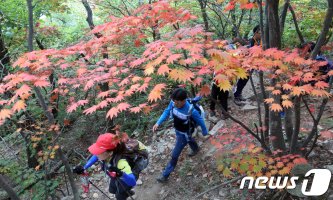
[181, 111]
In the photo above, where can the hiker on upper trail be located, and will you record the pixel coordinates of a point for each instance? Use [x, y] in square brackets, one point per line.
[183, 114]
[241, 83]
[121, 160]
[222, 95]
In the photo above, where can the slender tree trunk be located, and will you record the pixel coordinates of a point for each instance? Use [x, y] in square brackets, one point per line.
[324, 31]
[11, 193]
[283, 16]
[288, 124]
[4, 57]
[294, 138]
[30, 48]
[203, 5]
[266, 45]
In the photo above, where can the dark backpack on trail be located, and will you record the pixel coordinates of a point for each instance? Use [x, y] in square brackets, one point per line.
[194, 104]
[137, 158]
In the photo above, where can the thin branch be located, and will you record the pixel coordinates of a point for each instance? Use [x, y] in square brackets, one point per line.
[326, 26]
[318, 117]
[264, 146]
[308, 109]
[299, 33]
[220, 185]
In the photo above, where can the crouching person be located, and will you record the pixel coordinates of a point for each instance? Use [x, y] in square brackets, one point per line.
[121, 160]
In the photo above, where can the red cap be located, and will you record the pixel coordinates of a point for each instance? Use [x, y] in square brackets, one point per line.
[106, 141]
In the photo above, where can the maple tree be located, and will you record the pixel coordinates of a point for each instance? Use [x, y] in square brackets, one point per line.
[140, 63]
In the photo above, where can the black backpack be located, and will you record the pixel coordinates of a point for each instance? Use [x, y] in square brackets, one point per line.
[136, 158]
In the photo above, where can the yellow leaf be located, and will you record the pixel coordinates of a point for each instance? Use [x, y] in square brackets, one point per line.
[220, 168]
[227, 172]
[241, 73]
[181, 75]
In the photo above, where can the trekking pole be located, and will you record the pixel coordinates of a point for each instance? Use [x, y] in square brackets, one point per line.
[99, 189]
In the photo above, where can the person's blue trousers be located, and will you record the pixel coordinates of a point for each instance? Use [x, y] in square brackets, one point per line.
[181, 142]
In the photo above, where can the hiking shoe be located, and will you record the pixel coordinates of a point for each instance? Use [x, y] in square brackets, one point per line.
[162, 179]
[212, 113]
[193, 153]
[239, 102]
[240, 97]
[131, 192]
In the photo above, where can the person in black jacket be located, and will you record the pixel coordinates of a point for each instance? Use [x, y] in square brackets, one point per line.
[254, 41]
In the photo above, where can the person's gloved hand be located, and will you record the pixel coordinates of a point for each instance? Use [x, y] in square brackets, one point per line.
[118, 172]
[78, 169]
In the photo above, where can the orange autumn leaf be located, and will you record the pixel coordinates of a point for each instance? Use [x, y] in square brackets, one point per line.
[269, 100]
[5, 113]
[90, 110]
[123, 106]
[276, 107]
[321, 85]
[287, 104]
[163, 69]
[320, 93]
[276, 92]
[135, 109]
[204, 90]
[113, 112]
[18, 106]
[156, 92]
[287, 86]
[285, 97]
[296, 91]
[284, 171]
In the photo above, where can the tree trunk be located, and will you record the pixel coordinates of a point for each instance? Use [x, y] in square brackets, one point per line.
[4, 58]
[273, 23]
[203, 5]
[11, 193]
[275, 130]
[294, 138]
[275, 41]
[288, 124]
[70, 174]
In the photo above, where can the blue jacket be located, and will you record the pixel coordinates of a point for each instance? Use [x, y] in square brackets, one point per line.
[182, 112]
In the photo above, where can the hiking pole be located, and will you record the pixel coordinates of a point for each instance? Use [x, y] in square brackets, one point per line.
[99, 189]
